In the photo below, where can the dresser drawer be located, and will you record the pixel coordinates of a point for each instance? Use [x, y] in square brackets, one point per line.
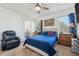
[65, 43]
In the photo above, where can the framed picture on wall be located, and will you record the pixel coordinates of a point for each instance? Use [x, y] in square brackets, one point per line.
[49, 22]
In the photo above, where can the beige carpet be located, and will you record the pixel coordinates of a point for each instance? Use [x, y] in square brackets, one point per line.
[19, 51]
[64, 51]
[23, 51]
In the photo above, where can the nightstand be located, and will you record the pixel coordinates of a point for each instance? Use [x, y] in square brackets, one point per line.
[75, 45]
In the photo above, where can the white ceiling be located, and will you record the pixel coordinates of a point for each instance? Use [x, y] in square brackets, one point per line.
[27, 8]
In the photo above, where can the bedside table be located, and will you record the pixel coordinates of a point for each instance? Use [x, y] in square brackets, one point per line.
[75, 45]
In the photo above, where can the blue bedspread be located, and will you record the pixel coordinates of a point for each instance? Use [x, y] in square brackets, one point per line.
[43, 42]
[51, 40]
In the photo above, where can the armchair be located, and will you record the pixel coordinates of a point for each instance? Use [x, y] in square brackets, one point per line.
[9, 40]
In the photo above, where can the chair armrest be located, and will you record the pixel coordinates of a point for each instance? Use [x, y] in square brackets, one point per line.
[3, 40]
[77, 41]
[3, 43]
[17, 38]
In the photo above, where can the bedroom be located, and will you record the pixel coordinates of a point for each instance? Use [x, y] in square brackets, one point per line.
[57, 19]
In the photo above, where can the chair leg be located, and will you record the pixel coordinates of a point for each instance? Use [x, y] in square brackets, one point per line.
[3, 49]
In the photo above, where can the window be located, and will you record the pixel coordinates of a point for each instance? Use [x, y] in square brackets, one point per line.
[64, 24]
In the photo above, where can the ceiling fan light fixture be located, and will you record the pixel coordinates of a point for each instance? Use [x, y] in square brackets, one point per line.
[37, 8]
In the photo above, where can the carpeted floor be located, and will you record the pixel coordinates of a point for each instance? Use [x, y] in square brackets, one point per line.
[64, 51]
[23, 51]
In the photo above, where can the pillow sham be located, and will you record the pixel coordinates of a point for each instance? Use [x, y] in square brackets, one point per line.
[50, 33]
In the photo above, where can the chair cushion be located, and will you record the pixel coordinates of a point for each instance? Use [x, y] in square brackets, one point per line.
[11, 42]
[9, 35]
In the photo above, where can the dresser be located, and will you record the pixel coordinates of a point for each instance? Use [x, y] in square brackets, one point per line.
[65, 39]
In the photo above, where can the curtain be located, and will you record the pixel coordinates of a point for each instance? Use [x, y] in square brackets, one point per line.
[73, 28]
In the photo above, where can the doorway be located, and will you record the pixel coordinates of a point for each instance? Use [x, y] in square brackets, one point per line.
[29, 28]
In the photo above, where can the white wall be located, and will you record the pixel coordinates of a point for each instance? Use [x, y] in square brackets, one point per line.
[56, 15]
[10, 20]
[78, 30]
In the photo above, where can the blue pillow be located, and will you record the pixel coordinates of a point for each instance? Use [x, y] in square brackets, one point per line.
[54, 33]
[44, 33]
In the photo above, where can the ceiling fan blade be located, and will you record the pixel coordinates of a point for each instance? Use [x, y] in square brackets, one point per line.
[45, 8]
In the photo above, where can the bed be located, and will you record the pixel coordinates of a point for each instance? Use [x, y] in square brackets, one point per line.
[43, 42]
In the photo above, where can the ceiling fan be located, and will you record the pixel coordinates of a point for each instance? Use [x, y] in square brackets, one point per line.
[39, 7]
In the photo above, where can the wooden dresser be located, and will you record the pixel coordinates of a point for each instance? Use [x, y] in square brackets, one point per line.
[65, 39]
